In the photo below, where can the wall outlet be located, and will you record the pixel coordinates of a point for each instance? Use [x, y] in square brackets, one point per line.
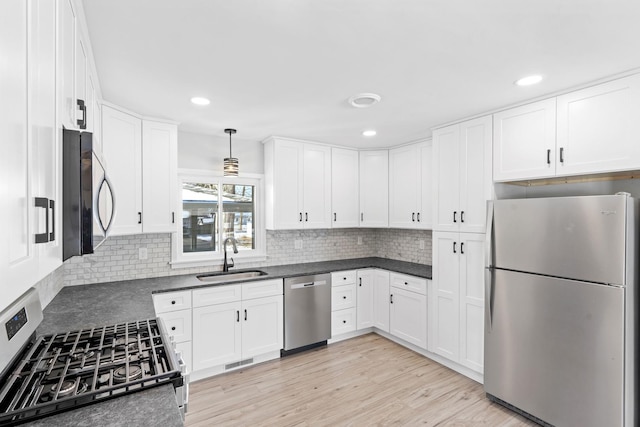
[359, 240]
[421, 243]
[297, 244]
[143, 253]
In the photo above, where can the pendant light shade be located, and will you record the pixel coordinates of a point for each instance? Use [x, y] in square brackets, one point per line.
[230, 163]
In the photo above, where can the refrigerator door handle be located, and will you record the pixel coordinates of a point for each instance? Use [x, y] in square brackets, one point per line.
[488, 299]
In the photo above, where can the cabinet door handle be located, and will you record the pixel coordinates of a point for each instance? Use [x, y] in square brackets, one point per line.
[461, 216]
[454, 248]
[43, 202]
[306, 216]
[237, 315]
[391, 298]
[52, 206]
[344, 297]
[454, 216]
[245, 314]
[334, 217]
[360, 279]
[139, 217]
[549, 156]
[413, 216]
[418, 216]
[82, 123]
[300, 216]
[561, 154]
[361, 216]
[462, 248]
[173, 217]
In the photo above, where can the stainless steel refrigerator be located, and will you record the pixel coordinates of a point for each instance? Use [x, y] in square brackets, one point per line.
[560, 308]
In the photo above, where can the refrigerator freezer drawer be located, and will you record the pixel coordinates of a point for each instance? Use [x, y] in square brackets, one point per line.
[555, 348]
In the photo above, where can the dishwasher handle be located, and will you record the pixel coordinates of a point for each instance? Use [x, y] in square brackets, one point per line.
[308, 284]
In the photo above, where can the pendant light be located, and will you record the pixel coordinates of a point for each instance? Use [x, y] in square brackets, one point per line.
[230, 163]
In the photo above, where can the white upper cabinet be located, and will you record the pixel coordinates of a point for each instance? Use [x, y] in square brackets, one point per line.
[410, 185]
[588, 131]
[141, 157]
[159, 176]
[298, 185]
[344, 188]
[374, 188]
[598, 128]
[122, 149]
[76, 90]
[524, 142]
[462, 175]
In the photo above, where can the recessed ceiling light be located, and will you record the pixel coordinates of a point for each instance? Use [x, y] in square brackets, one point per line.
[529, 80]
[200, 101]
[369, 132]
[364, 100]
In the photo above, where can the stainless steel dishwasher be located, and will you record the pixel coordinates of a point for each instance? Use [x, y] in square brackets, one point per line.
[307, 312]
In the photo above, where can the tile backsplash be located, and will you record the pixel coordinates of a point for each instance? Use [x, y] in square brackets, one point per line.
[117, 259]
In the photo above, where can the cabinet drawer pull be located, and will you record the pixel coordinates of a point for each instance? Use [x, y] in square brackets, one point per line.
[344, 321]
[406, 283]
[173, 302]
[173, 328]
[549, 156]
[82, 123]
[344, 297]
[42, 202]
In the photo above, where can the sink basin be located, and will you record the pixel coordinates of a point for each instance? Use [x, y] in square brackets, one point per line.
[230, 277]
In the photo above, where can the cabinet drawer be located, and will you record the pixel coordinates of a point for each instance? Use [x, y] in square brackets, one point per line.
[171, 301]
[343, 297]
[343, 278]
[178, 324]
[343, 321]
[410, 283]
[261, 288]
[216, 295]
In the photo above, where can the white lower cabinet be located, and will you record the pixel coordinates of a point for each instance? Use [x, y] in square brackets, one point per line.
[408, 309]
[231, 332]
[373, 299]
[174, 308]
[457, 304]
[343, 302]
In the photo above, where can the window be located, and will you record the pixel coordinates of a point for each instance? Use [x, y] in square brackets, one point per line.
[214, 209]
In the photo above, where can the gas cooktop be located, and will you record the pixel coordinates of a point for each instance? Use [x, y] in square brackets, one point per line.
[58, 372]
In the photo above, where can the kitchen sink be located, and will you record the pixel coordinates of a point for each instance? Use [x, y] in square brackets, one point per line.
[230, 277]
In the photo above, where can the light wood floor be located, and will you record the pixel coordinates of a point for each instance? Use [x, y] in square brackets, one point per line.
[363, 381]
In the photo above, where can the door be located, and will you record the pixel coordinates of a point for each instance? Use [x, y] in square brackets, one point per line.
[67, 68]
[262, 326]
[524, 142]
[364, 299]
[217, 335]
[374, 188]
[122, 149]
[404, 186]
[159, 176]
[381, 300]
[444, 309]
[316, 191]
[475, 173]
[446, 154]
[425, 209]
[555, 348]
[344, 188]
[598, 128]
[472, 300]
[287, 185]
[408, 316]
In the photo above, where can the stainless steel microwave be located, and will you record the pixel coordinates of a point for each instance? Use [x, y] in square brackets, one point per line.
[88, 199]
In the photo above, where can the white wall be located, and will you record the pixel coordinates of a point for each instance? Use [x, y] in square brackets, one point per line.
[198, 151]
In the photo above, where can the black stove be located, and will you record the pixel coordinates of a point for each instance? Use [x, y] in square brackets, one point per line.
[63, 371]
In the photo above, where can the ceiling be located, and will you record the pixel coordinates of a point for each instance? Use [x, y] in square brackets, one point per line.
[287, 67]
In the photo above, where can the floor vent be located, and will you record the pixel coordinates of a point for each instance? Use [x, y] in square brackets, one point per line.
[236, 364]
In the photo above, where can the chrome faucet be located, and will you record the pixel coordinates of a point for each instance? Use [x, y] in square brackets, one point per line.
[226, 265]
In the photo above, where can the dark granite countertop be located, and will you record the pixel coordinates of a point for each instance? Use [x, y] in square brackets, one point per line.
[77, 307]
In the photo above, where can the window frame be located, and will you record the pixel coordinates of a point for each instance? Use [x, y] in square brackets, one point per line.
[180, 259]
